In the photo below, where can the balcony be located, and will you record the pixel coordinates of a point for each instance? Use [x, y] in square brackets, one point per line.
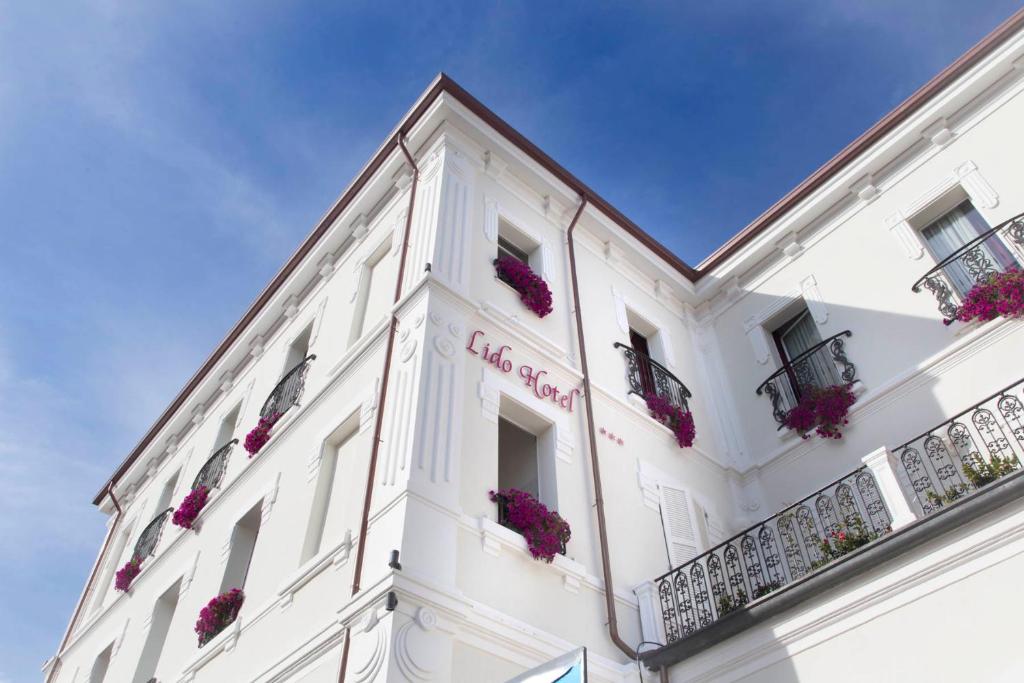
[822, 365]
[150, 536]
[967, 452]
[772, 553]
[951, 475]
[212, 472]
[647, 376]
[996, 251]
[288, 391]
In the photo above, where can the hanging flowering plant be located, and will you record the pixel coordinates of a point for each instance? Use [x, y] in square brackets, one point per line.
[533, 291]
[218, 614]
[190, 507]
[824, 410]
[672, 416]
[126, 574]
[1002, 294]
[260, 434]
[545, 531]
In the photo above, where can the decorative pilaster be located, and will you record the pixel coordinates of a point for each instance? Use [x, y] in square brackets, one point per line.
[882, 465]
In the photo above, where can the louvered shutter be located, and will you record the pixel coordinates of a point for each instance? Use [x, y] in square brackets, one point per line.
[712, 530]
[677, 517]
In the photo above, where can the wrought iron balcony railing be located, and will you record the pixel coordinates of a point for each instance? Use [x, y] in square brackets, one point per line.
[288, 391]
[995, 251]
[768, 555]
[212, 471]
[150, 536]
[648, 376]
[990, 432]
[820, 366]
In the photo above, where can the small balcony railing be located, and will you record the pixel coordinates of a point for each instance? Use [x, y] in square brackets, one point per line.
[996, 251]
[212, 472]
[288, 391]
[988, 433]
[768, 555]
[822, 365]
[647, 376]
[150, 536]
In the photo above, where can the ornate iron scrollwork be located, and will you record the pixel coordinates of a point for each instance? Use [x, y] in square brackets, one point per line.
[150, 536]
[212, 472]
[822, 365]
[974, 260]
[288, 391]
[646, 375]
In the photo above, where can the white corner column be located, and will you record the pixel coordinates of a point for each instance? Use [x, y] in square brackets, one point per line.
[882, 465]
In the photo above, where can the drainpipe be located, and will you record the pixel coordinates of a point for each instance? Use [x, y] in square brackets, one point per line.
[609, 590]
[379, 420]
[88, 584]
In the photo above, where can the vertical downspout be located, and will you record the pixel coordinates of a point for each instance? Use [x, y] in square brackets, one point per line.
[379, 419]
[609, 590]
[88, 584]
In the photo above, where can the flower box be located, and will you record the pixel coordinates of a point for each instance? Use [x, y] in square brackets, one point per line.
[672, 416]
[218, 614]
[533, 291]
[256, 439]
[126, 574]
[545, 531]
[823, 410]
[190, 507]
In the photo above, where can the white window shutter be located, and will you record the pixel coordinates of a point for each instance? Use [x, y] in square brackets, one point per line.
[677, 517]
[713, 530]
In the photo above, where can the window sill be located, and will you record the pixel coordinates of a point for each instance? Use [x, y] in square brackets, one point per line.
[495, 537]
[337, 556]
[222, 642]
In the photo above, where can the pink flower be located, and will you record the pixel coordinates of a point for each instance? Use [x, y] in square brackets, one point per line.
[218, 614]
[824, 410]
[260, 434]
[190, 507]
[126, 574]
[544, 530]
[1002, 294]
[673, 417]
[533, 291]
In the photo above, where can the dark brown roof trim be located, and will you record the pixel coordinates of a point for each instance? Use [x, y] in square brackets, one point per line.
[862, 143]
[443, 83]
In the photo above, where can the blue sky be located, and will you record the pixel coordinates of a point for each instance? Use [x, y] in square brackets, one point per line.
[159, 161]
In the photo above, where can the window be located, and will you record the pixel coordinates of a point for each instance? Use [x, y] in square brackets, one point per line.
[526, 452]
[514, 244]
[243, 542]
[677, 519]
[114, 562]
[297, 350]
[160, 624]
[164, 501]
[954, 230]
[100, 666]
[643, 359]
[226, 431]
[331, 513]
[517, 459]
[375, 293]
[793, 339]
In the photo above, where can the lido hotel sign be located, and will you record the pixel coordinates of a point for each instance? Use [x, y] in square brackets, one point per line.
[532, 378]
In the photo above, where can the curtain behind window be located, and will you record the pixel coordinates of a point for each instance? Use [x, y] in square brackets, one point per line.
[953, 231]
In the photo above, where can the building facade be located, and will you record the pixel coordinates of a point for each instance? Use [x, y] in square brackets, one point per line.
[400, 381]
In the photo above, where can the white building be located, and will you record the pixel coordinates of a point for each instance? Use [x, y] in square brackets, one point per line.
[413, 381]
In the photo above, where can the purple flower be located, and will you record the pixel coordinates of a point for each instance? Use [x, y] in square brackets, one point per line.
[1002, 294]
[544, 530]
[190, 507]
[533, 291]
[260, 434]
[218, 614]
[824, 410]
[126, 574]
[673, 417]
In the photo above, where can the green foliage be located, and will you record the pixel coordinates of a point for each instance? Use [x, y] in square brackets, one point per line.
[727, 603]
